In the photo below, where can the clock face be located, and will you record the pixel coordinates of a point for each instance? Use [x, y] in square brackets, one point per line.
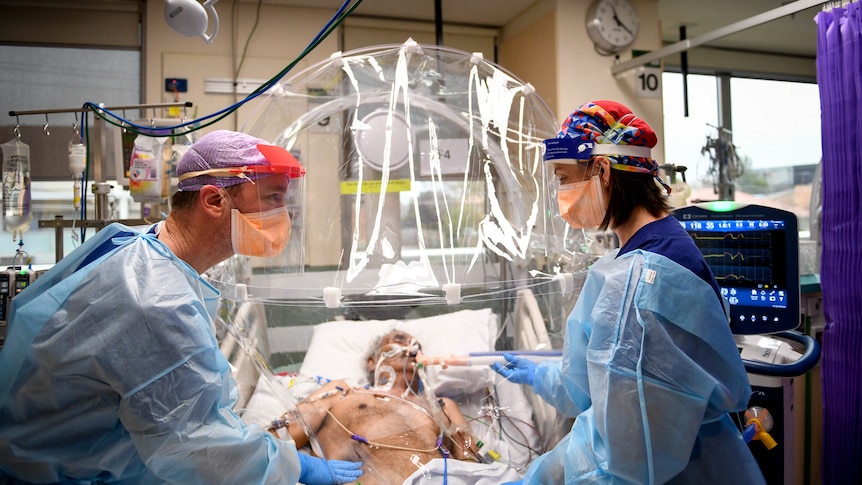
[612, 24]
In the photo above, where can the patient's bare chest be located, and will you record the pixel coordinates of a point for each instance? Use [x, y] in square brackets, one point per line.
[385, 425]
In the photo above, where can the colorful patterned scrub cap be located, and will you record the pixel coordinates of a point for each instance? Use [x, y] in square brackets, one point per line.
[223, 158]
[607, 128]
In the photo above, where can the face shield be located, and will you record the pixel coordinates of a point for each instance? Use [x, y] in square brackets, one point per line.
[264, 200]
[577, 182]
[572, 178]
[567, 161]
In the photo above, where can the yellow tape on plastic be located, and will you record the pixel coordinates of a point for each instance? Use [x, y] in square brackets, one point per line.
[351, 187]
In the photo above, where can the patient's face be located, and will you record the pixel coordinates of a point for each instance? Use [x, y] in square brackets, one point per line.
[401, 344]
[398, 350]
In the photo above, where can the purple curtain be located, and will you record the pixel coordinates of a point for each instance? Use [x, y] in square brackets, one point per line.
[839, 76]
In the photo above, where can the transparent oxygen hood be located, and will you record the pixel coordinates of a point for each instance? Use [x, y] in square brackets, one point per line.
[425, 181]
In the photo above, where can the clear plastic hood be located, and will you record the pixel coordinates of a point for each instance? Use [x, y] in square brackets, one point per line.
[424, 209]
[425, 178]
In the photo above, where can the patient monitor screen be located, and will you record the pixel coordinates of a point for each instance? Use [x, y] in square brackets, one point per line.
[749, 255]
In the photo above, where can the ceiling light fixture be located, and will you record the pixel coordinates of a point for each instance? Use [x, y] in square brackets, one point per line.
[189, 18]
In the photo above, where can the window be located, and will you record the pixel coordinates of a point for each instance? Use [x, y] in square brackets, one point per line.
[776, 129]
[685, 135]
[775, 134]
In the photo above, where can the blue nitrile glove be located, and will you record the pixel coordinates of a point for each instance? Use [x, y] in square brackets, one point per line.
[518, 369]
[317, 471]
[519, 482]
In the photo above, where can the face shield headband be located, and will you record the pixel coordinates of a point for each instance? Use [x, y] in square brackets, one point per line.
[280, 162]
[629, 158]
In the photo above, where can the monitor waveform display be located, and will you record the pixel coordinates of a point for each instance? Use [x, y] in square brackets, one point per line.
[728, 274]
[751, 250]
[741, 259]
[739, 253]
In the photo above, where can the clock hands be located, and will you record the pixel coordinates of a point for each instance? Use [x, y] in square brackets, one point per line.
[619, 23]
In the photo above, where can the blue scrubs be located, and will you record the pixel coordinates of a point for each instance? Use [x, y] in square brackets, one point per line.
[650, 372]
[111, 372]
[668, 238]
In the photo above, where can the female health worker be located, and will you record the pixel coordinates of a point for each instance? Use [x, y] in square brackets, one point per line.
[650, 370]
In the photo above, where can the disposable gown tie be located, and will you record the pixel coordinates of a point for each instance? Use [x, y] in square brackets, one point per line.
[112, 372]
[650, 371]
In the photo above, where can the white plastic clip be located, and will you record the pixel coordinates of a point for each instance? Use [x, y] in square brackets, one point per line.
[453, 293]
[410, 46]
[476, 58]
[332, 297]
[336, 59]
[418, 463]
[529, 90]
[240, 291]
[567, 282]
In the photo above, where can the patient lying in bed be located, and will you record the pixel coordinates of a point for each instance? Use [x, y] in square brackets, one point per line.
[498, 411]
[391, 427]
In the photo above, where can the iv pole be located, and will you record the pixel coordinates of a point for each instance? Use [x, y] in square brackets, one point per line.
[100, 187]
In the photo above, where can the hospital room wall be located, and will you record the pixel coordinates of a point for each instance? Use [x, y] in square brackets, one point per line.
[548, 47]
[278, 38]
[281, 34]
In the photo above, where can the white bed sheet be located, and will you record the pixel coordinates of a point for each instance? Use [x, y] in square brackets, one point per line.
[462, 473]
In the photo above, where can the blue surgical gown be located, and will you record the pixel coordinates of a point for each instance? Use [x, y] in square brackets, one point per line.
[650, 372]
[111, 372]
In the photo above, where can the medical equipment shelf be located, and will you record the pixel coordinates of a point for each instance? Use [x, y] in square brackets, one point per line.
[100, 189]
[186, 104]
[97, 126]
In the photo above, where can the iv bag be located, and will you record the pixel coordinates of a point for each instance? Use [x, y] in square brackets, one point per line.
[147, 180]
[77, 156]
[77, 165]
[16, 187]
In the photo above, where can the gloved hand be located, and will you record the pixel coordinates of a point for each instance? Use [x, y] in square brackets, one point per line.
[517, 369]
[317, 471]
[519, 482]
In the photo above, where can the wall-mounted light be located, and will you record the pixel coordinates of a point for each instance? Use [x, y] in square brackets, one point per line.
[189, 18]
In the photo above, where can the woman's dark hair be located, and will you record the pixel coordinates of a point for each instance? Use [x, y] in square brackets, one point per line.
[630, 190]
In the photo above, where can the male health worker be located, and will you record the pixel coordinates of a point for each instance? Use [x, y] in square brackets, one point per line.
[111, 371]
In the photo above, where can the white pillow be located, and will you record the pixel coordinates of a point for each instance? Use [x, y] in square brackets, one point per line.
[338, 349]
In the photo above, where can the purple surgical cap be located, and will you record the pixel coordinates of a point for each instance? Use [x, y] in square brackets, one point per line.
[224, 149]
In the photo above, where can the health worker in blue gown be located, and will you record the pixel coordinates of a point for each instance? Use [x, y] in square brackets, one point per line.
[111, 372]
[650, 371]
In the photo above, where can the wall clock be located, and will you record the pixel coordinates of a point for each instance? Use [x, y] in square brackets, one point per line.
[612, 25]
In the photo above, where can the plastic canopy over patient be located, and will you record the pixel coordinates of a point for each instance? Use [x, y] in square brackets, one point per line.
[424, 195]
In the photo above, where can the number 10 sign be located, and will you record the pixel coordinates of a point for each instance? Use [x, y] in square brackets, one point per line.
[648, 82]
